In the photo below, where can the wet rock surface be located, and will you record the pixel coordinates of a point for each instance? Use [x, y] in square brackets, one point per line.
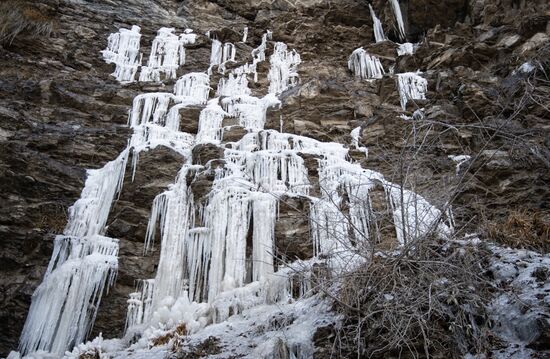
[62, 113]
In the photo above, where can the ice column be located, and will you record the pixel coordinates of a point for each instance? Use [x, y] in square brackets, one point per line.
[411, 87]
[139, 304]
[364, 65]
[123, 51]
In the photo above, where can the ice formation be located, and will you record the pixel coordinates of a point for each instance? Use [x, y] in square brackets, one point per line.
[399, 18]
[167, 54]
[364, 65]
[217, 262]
[283, 71]
[220, 55]
[123, 51]
[411, 87]
[377, 26]
[406, 49]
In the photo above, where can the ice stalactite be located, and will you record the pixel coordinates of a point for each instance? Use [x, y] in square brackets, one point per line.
[355, 137]
[411, 87]
[139, 305]
[174, 209]
[210, 123]
[220, 55]
[264, 209]
[399, 18]
[364, 65]
[283, 71]
[194, 86]
[123, 51]
[167, 54]
[251, 111]
[377, 26]
[234, 84]
[245, 33]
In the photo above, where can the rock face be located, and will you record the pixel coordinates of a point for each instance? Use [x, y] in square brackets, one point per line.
[61, 113]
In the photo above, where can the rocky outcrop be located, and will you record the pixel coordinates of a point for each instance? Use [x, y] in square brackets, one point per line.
[61, 113]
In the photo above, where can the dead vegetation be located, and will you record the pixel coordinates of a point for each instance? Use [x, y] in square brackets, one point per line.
[521, 229]
[23, 17]
[426, 300]
[180, 331]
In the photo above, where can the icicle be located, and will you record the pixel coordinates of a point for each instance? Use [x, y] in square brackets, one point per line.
[355, 135]
[167, 55]
[283, 71]
[413, 215]
[411, 87]
[245, 33]
[210, 123]
[149, 108]
[377, 26]
[399, 18]
[139, 305]
[364, 65]
[264, 209]
[65, 304]
[233, 85]
[220, 55]
[194, 87]
[123, 51]
[251, 111]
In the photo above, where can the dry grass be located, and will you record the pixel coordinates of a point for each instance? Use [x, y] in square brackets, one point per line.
[427, 300]
[521, 229]
[23, 17]
[180, 331]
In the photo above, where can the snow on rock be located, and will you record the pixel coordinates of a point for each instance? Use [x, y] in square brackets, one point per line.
[411, 86]
[364, 65]
[123, 51]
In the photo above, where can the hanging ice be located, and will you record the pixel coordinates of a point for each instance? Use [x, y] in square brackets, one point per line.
[399, 18]
[245, 33]
[139, 305]
[364, 65]
[377, 26]
[123, 51]
[210, 123]
[220, 55]
[167, 55]
[406, 49]
[83, 263]
[283, 71]
[193, 87]
[411, 87]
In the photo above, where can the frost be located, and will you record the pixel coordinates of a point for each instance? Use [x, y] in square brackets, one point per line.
[123, 51]
[411, 87]
[364, 65]
[377, 26]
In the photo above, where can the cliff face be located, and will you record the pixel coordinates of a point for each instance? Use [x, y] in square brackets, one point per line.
[62, 113]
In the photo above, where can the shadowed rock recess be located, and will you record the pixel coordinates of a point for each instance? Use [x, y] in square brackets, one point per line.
[275, 146]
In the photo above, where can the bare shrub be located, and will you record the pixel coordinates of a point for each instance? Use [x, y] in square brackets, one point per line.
[427, 299]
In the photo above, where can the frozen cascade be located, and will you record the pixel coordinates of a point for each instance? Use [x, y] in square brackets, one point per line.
[364, 65]
[399, 18]
[206, 274]
[167, 54]
[283, 71]
[377, 26]
[411, 87]
[123, 51]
